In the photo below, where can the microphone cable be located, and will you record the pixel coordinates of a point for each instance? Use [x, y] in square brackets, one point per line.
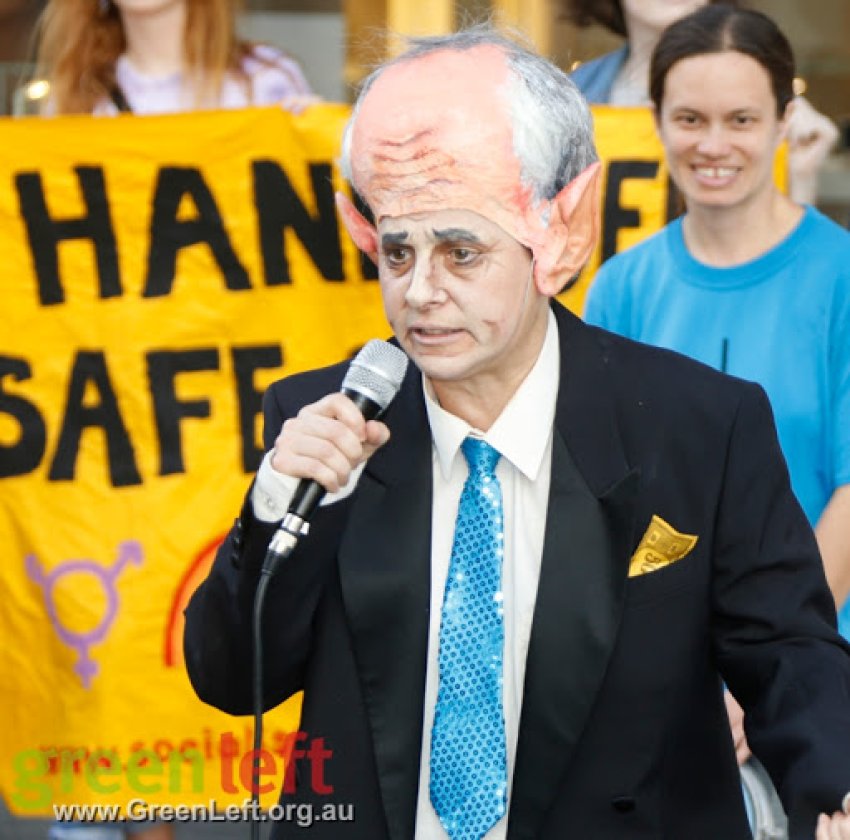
[371, 382]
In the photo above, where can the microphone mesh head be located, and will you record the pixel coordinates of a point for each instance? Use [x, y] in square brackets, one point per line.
[377, 372]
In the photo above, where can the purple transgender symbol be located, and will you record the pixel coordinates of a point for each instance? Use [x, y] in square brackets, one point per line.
[129, 551]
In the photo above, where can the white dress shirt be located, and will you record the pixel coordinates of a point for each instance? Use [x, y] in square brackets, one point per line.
[522, 435]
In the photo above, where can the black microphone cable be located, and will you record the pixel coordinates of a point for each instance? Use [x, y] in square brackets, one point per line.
[372, 380]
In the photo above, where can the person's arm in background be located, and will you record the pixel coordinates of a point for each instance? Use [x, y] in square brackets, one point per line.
[811, 136]
[277, 79]
[833, 536]
[833, 527]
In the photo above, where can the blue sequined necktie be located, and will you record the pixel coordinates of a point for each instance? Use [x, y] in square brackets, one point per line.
[468, 766]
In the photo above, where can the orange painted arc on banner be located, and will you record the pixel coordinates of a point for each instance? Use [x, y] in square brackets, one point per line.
[191, 580]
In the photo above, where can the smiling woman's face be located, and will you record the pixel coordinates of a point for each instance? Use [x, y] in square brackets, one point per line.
[720, 130]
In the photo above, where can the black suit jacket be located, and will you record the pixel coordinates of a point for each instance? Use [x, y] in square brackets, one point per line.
[623, 731]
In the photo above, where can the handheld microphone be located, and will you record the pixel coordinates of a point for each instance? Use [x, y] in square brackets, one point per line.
[371, 382]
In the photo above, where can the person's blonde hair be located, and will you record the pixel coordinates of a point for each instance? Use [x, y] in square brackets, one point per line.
[80, 41]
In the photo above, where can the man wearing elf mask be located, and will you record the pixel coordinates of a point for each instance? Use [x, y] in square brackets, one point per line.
[519, 601]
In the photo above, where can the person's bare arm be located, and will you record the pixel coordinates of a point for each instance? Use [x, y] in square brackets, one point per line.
[811, 136]
[833, 536]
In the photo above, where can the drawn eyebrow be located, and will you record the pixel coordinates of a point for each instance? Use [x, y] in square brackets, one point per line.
[456, 235]
[390, 239]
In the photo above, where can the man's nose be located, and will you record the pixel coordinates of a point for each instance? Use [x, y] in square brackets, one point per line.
[425, 286]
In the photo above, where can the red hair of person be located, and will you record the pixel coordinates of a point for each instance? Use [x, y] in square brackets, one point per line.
[79, 42]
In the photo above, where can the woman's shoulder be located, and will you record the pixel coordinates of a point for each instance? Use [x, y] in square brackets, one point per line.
[629, 276]
[595, 77]
[821, 227]
[659, 247]
[819, 249]
[273, 74]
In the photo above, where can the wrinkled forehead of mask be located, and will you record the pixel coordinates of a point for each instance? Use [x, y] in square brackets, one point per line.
[435, 132]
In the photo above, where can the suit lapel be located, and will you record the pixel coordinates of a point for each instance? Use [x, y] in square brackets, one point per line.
[385, 577]
[582, 577]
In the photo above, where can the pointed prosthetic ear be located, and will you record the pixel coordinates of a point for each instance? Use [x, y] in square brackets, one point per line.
[359, 229]
[572, 233]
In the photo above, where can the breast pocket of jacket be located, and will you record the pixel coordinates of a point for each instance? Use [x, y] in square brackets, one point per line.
[665, 561]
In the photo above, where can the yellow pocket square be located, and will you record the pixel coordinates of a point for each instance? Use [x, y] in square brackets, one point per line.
[660, 546]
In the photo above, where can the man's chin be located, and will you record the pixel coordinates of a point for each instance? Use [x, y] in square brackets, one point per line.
[441, 368]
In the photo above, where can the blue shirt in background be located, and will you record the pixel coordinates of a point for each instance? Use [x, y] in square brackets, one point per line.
[595, 78]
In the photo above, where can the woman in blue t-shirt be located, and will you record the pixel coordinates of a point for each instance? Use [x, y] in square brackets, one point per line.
[747, 281]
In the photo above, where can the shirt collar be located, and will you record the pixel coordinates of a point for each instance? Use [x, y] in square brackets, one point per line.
[521, 432]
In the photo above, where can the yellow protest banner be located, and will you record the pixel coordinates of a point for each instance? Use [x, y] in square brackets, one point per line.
[157, 274]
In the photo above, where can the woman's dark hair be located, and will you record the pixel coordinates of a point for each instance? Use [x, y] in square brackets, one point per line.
[724, 28]
[607, 13]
